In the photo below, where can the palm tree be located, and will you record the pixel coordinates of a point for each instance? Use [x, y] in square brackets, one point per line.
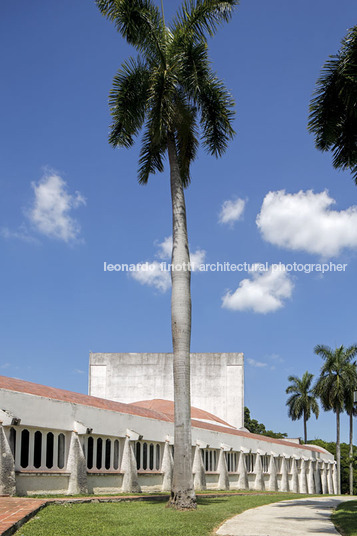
[352, 412]
[170, 91]
[337, 374]
[333, 106]
[302, 401]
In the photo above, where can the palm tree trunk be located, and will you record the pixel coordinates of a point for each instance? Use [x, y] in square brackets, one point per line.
[305, 428]
[351, 452]
[182, 493]
[338, 452]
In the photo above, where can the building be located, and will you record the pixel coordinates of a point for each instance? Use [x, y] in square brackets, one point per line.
[56, 441]
[217, 380]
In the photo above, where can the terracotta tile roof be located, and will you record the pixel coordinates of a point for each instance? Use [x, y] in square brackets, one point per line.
[241, 433]
[21, 386]
[167, 407]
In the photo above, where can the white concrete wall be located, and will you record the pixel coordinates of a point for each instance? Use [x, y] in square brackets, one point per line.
[217, 380]
[48, 415]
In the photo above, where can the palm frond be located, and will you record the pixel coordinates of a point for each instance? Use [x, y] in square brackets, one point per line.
[217, 113]
[127, 101]
[186, 136]
[333, 108]
[151, 156]
[138, 21]
[200, 17]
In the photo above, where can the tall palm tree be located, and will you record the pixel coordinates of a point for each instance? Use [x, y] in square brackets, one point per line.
[337, 374]
[302, 400]
[171, 92]
[352, 412]
[333, 119]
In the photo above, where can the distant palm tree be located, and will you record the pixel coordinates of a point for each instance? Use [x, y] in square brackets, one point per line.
[171, 91]
[333, 107]
[337, 374]
[302, 402]
[351, 410]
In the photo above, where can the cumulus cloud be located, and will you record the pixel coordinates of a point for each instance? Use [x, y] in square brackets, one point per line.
[157, 274]
[153, 275]
[164, 248]
[231, 211]
[51, 210]
[305, 222]
[264, 292]
[196, 258]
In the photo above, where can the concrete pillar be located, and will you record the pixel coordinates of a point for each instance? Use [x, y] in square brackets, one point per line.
[303, 488]
[317, 475]
[223, 480]
[167, 466]
[7, 466]
[310, 478]
[242, 471]
[329, 479]
[128, 467]
[284, 483]
[273, 482]
[77, 467]
[294, 477]
[198, 470]
[334, 478]
[258, 470]
[324, 484]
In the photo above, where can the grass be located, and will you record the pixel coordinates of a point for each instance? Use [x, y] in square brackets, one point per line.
[145, 494]
[345, 518]
[150, 518]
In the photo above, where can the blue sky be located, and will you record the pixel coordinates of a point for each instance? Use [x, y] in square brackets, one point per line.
[69, 203]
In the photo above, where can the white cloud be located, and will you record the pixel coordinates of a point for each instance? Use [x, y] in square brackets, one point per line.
[196, 258]
[51, 211]
[264, 293]
[154, 273]
[165, 248]
[304, 221]
[231, 211]
[256, 364]
[21, 234]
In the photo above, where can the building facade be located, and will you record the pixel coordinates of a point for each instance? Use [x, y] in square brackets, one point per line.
[56, 441]
[217, 380]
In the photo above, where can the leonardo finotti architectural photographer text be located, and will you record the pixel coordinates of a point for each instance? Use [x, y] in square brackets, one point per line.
[226, 267]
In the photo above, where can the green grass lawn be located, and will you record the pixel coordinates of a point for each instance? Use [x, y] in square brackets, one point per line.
[150, 518]
[345, 518]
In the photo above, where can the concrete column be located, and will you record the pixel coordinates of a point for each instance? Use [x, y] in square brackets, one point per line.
[310, 478]
[294, 477]
[303, 488]
[258, 470]
[128, 467]
[7, 466]
[324, 484]
[223, 480]
[334, 478]
[329, 479]
[77, 467]
[317, 475]
[273, 482]
[284, 483]
[242, 471]
[167, 466]
[198, 470]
